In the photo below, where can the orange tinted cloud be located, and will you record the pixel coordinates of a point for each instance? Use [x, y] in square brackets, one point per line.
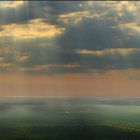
[11, 4]
[33, 29]
[122, 51]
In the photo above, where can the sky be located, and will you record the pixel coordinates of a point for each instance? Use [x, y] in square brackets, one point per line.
[70, 48]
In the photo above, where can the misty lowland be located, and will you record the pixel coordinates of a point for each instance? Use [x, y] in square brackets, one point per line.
[69, 118]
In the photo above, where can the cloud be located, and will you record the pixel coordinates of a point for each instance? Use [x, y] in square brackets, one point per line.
[132, 28]
[113, 51]
[96, 34]
[22, 58]
[5, 65]
[65, 37]
[76, 17]
[33, 29]
[11, 4]
[49, 66]
[31, 10]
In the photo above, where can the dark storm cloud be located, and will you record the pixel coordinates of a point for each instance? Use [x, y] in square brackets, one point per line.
[91, 34]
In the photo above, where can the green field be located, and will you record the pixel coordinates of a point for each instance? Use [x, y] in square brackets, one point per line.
[69, 119]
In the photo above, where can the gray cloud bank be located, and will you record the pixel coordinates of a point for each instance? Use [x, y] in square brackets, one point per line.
[96, 36]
